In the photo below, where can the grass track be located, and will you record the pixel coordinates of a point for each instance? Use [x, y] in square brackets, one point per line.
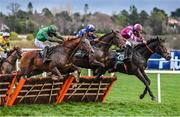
[122, 100]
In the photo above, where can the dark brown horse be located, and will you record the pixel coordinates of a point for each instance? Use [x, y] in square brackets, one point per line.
[61, 57]
[101, 48]
[9, 64]
[138, 63]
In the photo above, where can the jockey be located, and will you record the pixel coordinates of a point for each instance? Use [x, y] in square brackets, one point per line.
[89, 30]
[46, 34]
[4, 44]
[132, 35]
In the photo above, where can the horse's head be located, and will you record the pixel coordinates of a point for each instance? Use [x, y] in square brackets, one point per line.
[109, 39]
[161, 49]
[86, 43]
[16, 52]
[117, 40]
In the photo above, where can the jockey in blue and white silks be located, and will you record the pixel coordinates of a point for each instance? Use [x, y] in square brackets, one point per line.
[89, 30]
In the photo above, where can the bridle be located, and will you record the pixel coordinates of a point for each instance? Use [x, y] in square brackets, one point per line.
[12, 55]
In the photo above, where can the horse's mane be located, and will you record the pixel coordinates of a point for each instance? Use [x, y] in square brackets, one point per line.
[104, 35]
[67, 40]
[70, 38]
[11, 51]
[148, 41]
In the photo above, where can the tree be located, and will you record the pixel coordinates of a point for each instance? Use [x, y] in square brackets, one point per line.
[76, 16]
[143, 16]
[14, 8]
[124, 13]
[86, 7]
[22, 14]
[47, 12]
[65, 15]
[133, 17]
[30, 8]
[158, 19]
[176, 13]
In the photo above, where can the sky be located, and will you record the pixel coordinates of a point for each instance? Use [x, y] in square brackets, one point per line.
[104, 6]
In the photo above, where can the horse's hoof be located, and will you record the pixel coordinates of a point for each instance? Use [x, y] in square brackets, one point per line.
[55, 78]
[141, 96]
[153, 98]
[77, 80]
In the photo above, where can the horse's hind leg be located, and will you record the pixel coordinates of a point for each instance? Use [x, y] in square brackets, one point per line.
[141, 77]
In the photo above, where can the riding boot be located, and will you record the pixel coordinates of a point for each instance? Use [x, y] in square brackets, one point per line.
[45, 55]
[128, 53]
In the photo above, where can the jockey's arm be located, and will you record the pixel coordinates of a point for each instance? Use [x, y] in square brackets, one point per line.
[58, 36]
[45, 35]
[137, 39]
[55, 40]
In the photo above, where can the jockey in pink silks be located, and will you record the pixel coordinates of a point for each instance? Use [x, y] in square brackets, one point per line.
[132, 35]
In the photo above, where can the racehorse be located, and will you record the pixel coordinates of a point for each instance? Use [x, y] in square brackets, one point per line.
[31, 62]
[137, 65]
[9, 64]
[101, 48]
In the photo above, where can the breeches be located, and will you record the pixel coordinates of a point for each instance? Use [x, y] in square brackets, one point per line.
[39, 44]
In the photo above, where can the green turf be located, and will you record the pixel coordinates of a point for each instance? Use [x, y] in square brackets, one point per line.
[123, 100]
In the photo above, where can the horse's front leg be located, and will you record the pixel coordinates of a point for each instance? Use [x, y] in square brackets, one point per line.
[56, 71]
[78, 71]
[142, 78]
[96, 63]
[146, 89]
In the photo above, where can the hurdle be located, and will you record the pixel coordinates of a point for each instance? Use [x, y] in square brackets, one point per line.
[88, 89]
[45, 90]
[7, 82]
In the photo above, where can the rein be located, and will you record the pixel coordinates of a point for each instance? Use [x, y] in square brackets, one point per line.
[103, 42]
[9, 62]
[149, 48]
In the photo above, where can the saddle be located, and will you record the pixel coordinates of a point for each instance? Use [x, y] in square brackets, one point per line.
[50, 51]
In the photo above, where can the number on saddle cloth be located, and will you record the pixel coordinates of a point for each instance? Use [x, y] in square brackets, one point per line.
[80, 53]
[119, 56]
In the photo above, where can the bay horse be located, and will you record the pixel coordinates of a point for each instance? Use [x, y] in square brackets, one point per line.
[101, 47]
[31, 62]
[9, 65]
[137, 65]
